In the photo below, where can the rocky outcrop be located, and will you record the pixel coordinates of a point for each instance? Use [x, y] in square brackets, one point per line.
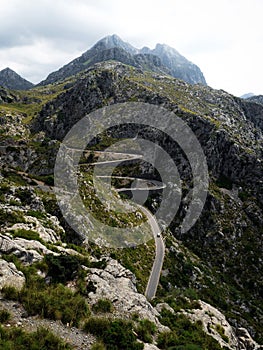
[216, 325]
[28, 251]
[10, 276]
[11, 80]
[118, 285]
[33, 224]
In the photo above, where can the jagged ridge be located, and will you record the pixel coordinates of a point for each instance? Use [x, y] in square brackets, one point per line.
[162, 59]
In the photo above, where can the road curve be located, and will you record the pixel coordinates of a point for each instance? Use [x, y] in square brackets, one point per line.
[159, 256]
[159, 243]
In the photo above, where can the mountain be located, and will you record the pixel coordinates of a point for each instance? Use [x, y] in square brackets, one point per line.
[178, 66]
[209, 294]
[257, 99]
[249, 94]
[11, 80]
[163, 59]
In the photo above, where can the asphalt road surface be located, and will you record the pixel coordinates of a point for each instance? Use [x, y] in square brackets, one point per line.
[159, 256]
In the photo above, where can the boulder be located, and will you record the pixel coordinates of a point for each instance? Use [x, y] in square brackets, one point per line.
[10, 276]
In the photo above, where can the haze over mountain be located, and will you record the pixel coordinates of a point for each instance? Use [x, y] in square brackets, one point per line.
[162, 59]
[11, 80]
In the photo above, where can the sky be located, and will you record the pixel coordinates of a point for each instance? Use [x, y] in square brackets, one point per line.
[223, 37]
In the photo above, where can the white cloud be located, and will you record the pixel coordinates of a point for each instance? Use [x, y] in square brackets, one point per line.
[223, 37]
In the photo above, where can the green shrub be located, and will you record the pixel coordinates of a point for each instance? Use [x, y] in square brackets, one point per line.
[26, 234]
[36, 214]
[98, 346]
[145, 330]
[62, 268]
[17, 339]
[25, 195]
[7, 218]
[97, 326]
[55, 302]
[225, 182]
[116, 334]
[101, 264]
[4, 316]
[184, 334]
[103, 305]
[220, 330]
[10, 292]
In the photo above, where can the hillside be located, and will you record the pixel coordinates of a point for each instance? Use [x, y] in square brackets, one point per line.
[210, 290]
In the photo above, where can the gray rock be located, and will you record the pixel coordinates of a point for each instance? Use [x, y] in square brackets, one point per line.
[46, 234]
[118, 285]
[10, 276]
[27, 251]
[150, 347]
[216, 325]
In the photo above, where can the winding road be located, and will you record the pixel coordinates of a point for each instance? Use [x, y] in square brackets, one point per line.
[144, 185]
[140, 185]
[159, 256]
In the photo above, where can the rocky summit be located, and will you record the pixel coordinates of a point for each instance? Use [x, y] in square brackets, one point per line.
[11, 80]
[74, 291]
[163, 59]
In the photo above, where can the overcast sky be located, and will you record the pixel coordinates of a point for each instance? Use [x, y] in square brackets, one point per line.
[223, 37]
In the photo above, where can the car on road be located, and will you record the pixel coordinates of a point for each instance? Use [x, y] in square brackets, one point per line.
[158, 234]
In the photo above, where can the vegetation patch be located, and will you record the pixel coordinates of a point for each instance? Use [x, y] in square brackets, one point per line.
[26, 234]
[116, 334]
[102, 306]
[16, 338]
[184, 334]
[4, 316]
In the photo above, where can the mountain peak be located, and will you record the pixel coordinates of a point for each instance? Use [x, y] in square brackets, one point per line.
[11, 80]
[163, 59]
[111, 41]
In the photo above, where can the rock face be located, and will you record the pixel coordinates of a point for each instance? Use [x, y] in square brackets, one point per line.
[10, 276]
[216, 325]
[177, 65]
[28, 251]
[162, 59]
[11, 80]
[118, 285]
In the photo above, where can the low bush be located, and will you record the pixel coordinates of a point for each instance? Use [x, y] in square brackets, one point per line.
[98, 346]
[16, 338]
[4, 316]
[7, 218]
[102, 305]
[116, 334]
[62, 268]
[10, 292]
[55, 302]
[184, 334]
[26, 234]
[145, 330]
